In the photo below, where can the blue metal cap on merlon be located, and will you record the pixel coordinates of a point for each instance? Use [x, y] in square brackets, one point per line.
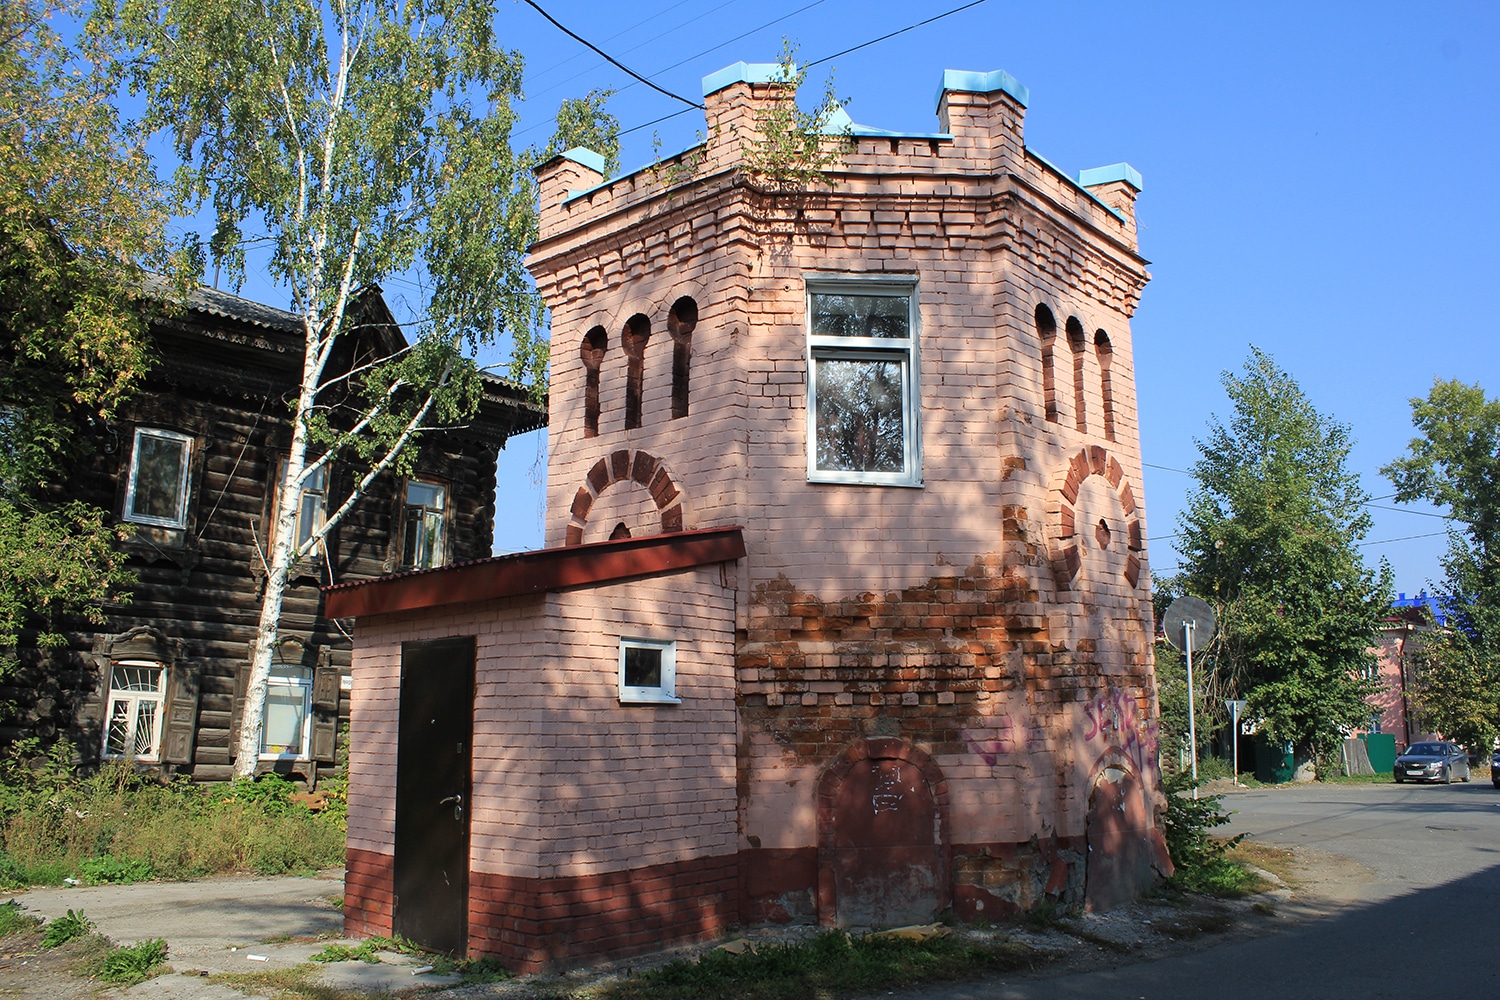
[743, 72]
[584, 158]
[1114, 172]
[984, 83]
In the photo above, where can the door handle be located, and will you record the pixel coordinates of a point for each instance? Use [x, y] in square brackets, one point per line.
[455, 800]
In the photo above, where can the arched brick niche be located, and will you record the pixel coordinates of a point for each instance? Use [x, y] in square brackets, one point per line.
[883, 837]
[626, 466]
[1076, 530]
[1126, 851]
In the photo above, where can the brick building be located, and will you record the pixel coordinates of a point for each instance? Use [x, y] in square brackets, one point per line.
[844, 614]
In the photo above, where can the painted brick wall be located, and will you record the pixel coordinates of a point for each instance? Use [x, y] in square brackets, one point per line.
[997, 617]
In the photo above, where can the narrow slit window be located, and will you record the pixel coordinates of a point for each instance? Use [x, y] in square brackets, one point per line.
[633, 340]
[1105, 353]
[1076, 346]
[681, 322]
[595, 343]
[1046, 331]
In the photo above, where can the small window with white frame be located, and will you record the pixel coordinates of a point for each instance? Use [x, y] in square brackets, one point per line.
[288, 714]
[862, 395]
[157, 490]
[312, 503]
[133, 714]
[424, 516]
[648, 671]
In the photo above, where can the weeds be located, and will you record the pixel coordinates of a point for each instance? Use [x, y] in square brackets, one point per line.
[365, 951]
[127, 966]
[119, 825]
[13, 921]
[830, 965]
[66, 928]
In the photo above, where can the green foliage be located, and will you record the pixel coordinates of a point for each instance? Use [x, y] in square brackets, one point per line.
[110, 870]
[1270, 538]
[118, 825]
[365, 951]
[1454, 462]
[66, 928]
[1187, 824]
[833, 964]
[582, 121]
[127, 966]
[793, 147]
[13, 921]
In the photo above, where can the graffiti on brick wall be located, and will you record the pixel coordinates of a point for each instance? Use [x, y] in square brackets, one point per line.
[997, 740]
[887, 795]
[1113, 721]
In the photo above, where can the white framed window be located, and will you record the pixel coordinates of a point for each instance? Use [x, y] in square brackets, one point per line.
[133, 714]
[424, 516]
[648, 671]
[863, 399]
[157, 490]
[312, 501]
[286, 725]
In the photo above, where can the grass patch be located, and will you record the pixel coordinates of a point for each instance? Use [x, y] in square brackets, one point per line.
[13, 921]
[365, 951]
[1221, 878]
[129, 965]
[294, 982]
[119, 826]
[828, 966]
[1279, 861]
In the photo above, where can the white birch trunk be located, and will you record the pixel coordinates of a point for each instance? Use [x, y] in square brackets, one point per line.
[281, 554]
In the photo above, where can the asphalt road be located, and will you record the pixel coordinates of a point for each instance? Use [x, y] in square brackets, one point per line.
[1421, 889]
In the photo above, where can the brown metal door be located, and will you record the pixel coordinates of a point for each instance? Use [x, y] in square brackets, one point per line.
[885, 853]
[432, 793]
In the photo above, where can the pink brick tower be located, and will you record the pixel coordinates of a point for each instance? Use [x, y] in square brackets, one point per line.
[913, 386]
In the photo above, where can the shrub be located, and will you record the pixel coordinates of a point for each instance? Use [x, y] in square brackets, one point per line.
[134, 964]
[1199, 858]
[65, 929]
[110, 870]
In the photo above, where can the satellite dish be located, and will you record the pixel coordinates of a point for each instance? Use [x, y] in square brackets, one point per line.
[1187, 610]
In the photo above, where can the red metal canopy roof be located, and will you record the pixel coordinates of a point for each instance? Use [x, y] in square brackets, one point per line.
[534, 572]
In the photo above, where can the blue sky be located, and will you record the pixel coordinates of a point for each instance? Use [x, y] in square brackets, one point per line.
[1316, 184]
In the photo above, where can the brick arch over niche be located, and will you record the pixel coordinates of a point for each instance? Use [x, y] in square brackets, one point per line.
[883, 837]
[1067, 560]
[1125, 847]
[626, 465]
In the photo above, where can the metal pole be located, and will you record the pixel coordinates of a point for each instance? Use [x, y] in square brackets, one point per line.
[1234, 741]
[1187, 642]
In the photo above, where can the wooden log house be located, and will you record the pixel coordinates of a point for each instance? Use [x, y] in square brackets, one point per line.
[189, 463]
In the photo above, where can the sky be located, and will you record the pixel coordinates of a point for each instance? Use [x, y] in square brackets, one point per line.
[1315, 185]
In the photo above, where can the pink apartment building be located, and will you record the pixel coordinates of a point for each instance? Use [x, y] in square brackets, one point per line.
[845, 614]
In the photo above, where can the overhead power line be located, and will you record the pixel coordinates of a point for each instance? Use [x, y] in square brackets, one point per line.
[609, 58]
[900, 31]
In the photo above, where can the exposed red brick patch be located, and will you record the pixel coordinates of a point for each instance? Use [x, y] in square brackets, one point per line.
[582, 501]
[619, 465]
[671, 519]
[643, 468]
[598, 477]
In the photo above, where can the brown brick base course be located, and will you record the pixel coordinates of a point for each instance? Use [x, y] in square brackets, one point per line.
[369, 881]
[989, 881]
[533, 924]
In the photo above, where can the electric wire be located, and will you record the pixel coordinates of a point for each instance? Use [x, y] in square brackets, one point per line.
[607, 57]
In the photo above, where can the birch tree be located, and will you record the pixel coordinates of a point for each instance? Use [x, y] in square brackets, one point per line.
[360, 140]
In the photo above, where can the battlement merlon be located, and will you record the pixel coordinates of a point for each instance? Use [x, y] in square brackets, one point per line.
[980, 115]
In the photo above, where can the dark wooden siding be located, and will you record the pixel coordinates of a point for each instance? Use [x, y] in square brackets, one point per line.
[225, 384]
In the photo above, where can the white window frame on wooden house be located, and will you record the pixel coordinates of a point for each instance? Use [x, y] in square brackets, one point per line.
[637, 689]
[128, 692]
[293, 682]
[432, 550]
[312, 502]
[828, 349]
[133, 491]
